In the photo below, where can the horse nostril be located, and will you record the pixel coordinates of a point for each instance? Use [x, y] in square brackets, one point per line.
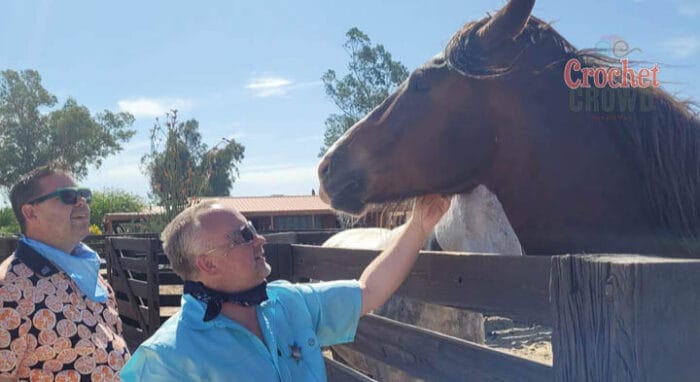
[324, 168]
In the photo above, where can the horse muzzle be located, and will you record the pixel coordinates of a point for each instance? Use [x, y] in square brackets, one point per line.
[343, 189]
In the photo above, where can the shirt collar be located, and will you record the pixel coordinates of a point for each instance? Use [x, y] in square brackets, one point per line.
[192, 311]
[32, 259]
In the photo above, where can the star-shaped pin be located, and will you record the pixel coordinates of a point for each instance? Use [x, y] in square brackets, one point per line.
[296, 351]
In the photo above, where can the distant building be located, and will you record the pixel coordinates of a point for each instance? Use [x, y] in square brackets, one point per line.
[268, 213]
[284, 212]
[271, 214]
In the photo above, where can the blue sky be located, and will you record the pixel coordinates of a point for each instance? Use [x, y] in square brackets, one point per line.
[251, 70]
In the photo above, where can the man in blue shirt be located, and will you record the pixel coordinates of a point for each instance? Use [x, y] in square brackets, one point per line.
[233, 326]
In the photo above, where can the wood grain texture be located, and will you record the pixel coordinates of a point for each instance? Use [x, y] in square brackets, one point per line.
[512, 286]
[625, 318]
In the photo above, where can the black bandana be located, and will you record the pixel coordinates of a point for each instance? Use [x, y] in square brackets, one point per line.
[214, 299]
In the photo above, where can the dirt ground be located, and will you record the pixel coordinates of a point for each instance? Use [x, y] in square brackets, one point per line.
[528, 341]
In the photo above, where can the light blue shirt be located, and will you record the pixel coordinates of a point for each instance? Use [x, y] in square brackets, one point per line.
[296, 321]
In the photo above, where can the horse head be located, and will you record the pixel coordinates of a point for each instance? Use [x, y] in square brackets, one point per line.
[495, 109]
[439, 131]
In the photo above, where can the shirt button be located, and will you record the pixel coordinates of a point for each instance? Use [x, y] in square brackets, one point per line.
[312, 342]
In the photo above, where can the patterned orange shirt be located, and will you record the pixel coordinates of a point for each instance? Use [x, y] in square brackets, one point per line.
[49, 329]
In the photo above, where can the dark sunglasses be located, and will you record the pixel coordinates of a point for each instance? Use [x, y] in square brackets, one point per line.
[244, 236]
[68, 195]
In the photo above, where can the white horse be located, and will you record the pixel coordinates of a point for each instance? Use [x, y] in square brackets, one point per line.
[475, 222]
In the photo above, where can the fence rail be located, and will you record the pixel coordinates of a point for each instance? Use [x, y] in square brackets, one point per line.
[614, 317]
[514, 286]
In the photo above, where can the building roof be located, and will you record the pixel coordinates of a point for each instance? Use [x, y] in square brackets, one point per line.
[277, 204]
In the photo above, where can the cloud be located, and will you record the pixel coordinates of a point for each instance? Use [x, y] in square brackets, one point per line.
[683, 47]
[153, 107]
[269, 86]
[689, 8]
[276, 86]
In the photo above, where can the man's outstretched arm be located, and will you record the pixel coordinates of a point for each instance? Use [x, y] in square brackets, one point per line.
[385, 273]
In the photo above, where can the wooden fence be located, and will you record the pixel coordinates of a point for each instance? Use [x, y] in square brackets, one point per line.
[614, 318]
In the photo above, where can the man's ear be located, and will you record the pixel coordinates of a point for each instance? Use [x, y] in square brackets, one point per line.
[28, 212]
[206, 265]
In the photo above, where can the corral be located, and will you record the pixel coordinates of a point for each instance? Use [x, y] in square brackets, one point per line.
[614, 317]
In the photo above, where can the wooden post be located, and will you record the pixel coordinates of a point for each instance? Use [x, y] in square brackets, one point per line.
[279, 256]
[625, 318]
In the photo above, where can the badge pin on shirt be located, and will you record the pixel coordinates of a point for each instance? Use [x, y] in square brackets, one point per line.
[296, 351]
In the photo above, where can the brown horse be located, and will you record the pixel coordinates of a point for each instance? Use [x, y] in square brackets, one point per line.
[495, 110]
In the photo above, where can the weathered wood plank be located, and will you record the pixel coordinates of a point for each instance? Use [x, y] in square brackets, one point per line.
[169, 278]
[124, 243]
[625, 318]
[513, 286]
[169, 300]
[338, 372]
[133, 337]
[138, 287]
[134, 264]
[281, 238]
[279, 256]
[127, 309]
[434, 356]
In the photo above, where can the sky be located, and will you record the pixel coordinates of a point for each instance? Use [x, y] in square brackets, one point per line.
[251, 70]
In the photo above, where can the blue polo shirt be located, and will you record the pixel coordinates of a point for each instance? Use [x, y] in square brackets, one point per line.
[296, 321]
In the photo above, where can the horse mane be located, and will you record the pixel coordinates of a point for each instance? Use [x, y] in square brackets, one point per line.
[663, 145]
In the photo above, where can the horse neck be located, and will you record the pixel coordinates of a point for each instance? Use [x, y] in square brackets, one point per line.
[563, 180]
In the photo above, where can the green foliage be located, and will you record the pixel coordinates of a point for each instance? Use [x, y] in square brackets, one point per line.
[372, 76]
[108, 201]
[8, 224]
[180, 166]
[69, 135]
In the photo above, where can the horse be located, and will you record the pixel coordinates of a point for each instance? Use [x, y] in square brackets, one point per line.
[495, 109]
[475, 222]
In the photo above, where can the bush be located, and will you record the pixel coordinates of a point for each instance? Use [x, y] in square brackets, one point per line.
[95, 230]
[108, 201]
[8, 224]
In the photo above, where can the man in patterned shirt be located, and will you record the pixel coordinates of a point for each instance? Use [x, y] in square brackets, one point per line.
[58, 316]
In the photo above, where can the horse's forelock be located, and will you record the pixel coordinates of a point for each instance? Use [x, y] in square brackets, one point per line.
[464, 54]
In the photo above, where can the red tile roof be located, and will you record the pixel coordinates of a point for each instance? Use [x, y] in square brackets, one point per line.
[259, 205]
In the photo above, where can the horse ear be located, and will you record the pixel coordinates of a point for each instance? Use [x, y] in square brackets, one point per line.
[507, 23]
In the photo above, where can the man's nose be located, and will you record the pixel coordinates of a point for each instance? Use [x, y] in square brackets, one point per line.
[81, 201]
[259, 239]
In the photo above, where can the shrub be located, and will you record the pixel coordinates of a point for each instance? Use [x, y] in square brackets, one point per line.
[8, 224]
[108, 201]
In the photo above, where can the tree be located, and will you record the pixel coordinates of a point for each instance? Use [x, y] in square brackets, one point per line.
[372, 76]
[108, 201]
[185, 167]
[8, 223]
[69, 135]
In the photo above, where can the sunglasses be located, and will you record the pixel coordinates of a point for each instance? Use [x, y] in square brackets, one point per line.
[68, 195]
[243, 236]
